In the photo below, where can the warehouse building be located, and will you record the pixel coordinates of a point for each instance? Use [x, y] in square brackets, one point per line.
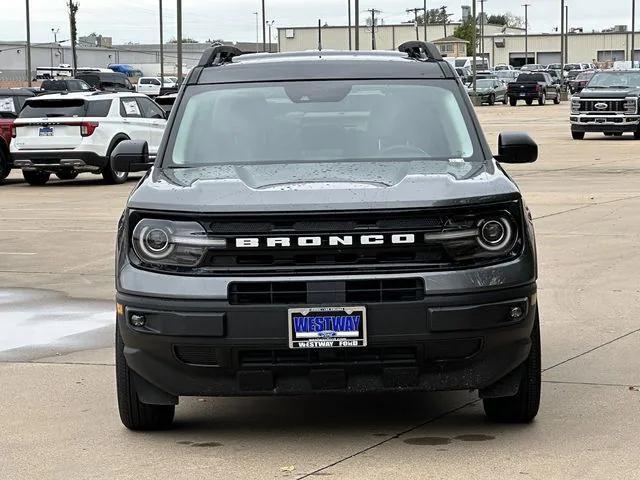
[501, 45]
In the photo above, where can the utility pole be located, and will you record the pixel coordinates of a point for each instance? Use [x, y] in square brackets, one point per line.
[415, 13]
[633, 33]
[320, 35]
[445, 17]
[482, 29]
[179, 17]
[425, 20]
[161, 46]
[28, 49]
[526, 33]
[55, 32]
[257, 31]
[264, 28]
[357, 23]
[73, 11]
[474, 67]
[373, 12]
[349, 16]
[562, 26]
[270, 24]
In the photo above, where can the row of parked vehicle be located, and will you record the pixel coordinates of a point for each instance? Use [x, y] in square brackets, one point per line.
[530, 86]
[70, 129]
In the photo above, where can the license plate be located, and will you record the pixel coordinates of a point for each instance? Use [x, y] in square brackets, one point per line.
[46, 131]
[327, 327]
[523, 94]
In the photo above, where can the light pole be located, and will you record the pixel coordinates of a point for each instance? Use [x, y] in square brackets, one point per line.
[28, 52]
[264, 27]
[270, 24]
[179, 18]
[357, 23]
[566, 33]
[526, 33]
[474, 68]
[54, 31]
[425, 20]
[161, 46]
[633, 33]
[482, 30]
[349, 17]
[562, 45]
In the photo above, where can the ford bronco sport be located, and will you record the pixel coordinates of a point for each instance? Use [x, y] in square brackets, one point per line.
[325, 222]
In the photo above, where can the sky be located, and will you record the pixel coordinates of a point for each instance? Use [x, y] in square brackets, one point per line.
[234, 20]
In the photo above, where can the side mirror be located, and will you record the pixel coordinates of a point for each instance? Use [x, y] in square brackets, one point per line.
[516, 147]
[131, 156]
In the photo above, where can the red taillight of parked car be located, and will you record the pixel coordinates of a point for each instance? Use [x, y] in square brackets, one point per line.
[14, 131]
[87, 128]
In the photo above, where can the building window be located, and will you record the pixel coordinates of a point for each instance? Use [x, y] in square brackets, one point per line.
[446, 48]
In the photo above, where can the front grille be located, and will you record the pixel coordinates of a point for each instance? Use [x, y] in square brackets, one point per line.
[377, 357]
[344, 242]
[302, 293]
[196, 355]
[612, 106]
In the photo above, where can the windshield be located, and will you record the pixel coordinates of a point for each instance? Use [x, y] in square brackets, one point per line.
[615, 79]
[461, 62]
[322, 121]
[584, 76]
[485, 83]
[554, 66]
[9, 107]
[572, 66]
[531, 77]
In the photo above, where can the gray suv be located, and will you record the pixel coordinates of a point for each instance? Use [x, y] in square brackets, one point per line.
[325, 222]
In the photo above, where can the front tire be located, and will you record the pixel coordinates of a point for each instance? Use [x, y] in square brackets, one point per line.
[529, 101]
[577, 135]
[5, 170]
[134, 414]
[543, 99]
[556, 99]
[492, 99]
[36, 178]
[524, 406]
[513, 101]
[505, 99]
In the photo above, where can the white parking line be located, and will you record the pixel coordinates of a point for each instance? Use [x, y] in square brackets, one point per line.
[18, 253]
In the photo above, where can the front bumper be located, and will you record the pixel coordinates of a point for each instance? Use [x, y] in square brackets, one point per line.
[442, 342]
[605, 123]
[56, 160]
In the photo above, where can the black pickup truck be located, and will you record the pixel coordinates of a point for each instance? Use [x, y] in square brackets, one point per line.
[534, 86]
[608, 104]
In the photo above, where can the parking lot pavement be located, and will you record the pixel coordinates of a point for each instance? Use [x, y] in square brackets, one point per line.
[58, 417]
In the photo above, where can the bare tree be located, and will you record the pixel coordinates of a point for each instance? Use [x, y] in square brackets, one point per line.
[73, 7]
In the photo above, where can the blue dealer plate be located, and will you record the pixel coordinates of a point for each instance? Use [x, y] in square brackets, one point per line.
[327, 327]
[46, 131]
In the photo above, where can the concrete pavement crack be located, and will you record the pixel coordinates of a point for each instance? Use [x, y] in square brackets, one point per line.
[582, 207]
[393, 437]
[591, 384]
[609, 342]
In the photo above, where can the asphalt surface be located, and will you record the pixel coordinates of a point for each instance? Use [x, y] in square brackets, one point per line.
[58, 416]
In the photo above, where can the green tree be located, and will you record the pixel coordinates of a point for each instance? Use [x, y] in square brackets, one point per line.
[507, 19]
[434, 16]
[465, 32]
[184, 40]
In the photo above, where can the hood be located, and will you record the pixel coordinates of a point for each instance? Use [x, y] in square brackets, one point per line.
[600, 93]
[318, 186]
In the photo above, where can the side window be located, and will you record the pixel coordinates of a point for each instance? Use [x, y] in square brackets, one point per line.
[129, 108]
[98, 108]
[150, 109]
[155, 82]
[145, 81]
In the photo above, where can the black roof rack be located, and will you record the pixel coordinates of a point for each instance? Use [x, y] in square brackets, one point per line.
[421, 50]
[218, 55]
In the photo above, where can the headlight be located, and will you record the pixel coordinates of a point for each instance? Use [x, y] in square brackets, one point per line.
[630, 105]
[473, 238]
[575, 105]
[164, 242]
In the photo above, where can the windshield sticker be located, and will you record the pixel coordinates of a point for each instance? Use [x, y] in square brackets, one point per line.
[131, 107]
[7, 105]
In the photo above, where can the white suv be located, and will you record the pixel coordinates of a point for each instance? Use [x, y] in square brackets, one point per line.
[152, 85]
[74, 133]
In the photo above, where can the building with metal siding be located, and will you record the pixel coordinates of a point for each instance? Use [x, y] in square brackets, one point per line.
[500, 47]
[388, 37]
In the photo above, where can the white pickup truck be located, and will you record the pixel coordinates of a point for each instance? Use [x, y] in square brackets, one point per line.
[151, 85]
